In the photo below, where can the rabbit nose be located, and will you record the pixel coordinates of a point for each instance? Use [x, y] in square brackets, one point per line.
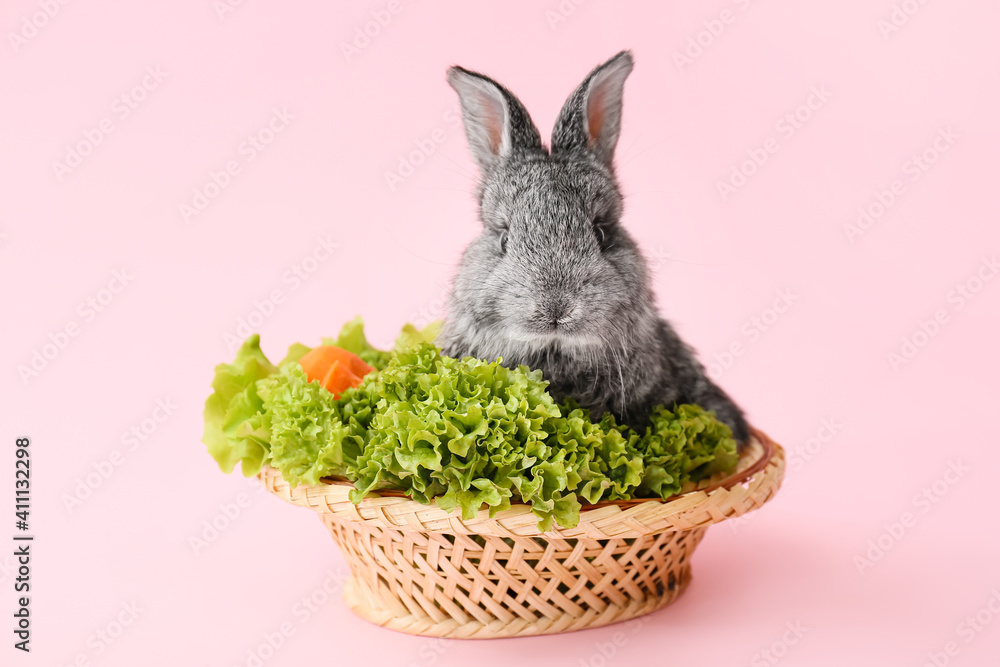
[558, 313]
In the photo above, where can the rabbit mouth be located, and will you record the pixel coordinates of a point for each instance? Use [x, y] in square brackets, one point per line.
[560, 335]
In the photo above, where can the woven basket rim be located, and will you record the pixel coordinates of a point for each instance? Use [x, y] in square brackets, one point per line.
[758, 476]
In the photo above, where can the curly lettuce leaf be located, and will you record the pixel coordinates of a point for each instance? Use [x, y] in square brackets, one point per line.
[312, 435]
[295, 352]
[235, 428]
[352, 338]
[412, 336]
[688, 444]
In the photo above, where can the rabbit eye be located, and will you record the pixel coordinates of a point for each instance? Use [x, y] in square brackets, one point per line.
[503, 241]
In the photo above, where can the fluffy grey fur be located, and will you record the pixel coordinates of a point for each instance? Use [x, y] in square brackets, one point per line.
[554, 281]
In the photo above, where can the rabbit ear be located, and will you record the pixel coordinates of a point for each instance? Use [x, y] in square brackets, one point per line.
[591, 118]
[496, 123]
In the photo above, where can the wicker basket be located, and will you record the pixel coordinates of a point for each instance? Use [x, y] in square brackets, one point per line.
[418, 569]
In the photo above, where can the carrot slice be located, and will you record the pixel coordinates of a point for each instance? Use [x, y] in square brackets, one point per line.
[334, 368]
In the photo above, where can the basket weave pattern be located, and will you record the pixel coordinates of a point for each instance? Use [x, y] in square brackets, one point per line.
[420, 570]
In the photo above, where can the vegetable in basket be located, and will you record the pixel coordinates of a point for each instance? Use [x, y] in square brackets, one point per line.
[463, 433]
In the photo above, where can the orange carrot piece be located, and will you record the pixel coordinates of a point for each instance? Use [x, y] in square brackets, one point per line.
[334, 368]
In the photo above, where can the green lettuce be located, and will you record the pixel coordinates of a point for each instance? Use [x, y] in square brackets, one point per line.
[464, 433]
[235, 429]
[352, 338]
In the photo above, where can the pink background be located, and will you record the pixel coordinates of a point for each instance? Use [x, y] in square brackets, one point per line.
[865, 437]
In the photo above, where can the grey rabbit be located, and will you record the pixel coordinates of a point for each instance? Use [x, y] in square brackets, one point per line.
[554, 281]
